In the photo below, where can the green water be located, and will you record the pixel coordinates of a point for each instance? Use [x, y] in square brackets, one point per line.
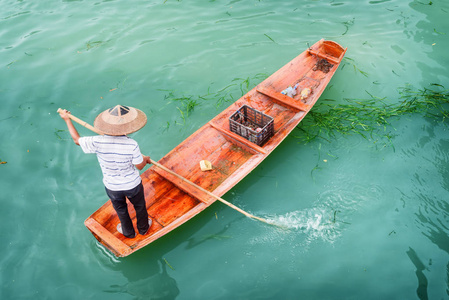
[369, 219]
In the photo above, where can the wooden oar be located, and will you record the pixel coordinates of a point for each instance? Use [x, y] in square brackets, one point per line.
[81, 122]
[207, 192]
[97, 131]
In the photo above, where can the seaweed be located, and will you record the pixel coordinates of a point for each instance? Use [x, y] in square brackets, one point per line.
[347, 24]
[371, 118]
[352, 62]
[269, 38]
[188, 103]
[166, 262]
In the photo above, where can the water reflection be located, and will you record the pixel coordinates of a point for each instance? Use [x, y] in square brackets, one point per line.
[434, 226]
[156, 285]
[430, 195]
[194, 241]
[147, 271]
[434, 40]
[422, 280]
[64, 77]
[447, 278]
[434, 206]
[441, 162]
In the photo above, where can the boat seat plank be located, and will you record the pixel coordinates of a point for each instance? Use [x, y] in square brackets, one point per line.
[107, 238]
[325, 56]
[238, 138]
[283, 99]
[186, 187]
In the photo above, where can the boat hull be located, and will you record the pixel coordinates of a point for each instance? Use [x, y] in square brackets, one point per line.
[170, 201]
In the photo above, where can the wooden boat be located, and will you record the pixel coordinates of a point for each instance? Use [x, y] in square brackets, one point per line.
[172, 202]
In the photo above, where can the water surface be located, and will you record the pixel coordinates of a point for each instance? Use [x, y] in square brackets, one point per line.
[367, 219]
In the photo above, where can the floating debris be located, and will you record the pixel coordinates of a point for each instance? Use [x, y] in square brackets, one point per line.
[168, 264]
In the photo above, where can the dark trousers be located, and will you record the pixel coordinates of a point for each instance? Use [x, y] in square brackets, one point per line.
[137, 198]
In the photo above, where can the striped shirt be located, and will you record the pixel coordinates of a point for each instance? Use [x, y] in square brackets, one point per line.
[117, 156]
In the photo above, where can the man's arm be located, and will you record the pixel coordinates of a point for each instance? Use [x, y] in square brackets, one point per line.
[73, 132]
[146, 160]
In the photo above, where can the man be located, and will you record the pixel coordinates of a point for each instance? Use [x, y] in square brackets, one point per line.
[120, 161]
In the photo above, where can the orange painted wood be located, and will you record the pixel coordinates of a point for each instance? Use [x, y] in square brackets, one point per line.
[107, 238]
[189, 189]
[172, 206]
[171, 203]
[239, 138]
[322, 55]
[284, 99]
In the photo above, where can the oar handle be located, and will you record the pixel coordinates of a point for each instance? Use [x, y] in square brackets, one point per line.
[207, 192]
[82, 123]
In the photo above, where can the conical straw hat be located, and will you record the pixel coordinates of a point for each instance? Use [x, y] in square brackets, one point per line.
[120, 120]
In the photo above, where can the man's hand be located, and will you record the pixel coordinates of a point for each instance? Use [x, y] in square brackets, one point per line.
[146, 160]
[64, 113]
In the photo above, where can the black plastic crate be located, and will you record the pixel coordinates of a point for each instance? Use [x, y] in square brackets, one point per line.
[252, 124]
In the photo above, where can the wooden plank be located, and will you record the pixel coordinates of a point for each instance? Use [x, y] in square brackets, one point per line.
[167, 229]
[225, 163]
[172, 206]
[187, 188]
[107, 238]
[224, 153]
[186, 157]
[226, 160]
[281, 116]
[283, 99]
[333, 60]
[238, 138]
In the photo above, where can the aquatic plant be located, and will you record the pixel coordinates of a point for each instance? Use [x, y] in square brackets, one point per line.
[350, 61]
[371, 118]
[348, 24]
[269, 38]
[186, 105]
[227, 94]
[168, 264]
[94, 44]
